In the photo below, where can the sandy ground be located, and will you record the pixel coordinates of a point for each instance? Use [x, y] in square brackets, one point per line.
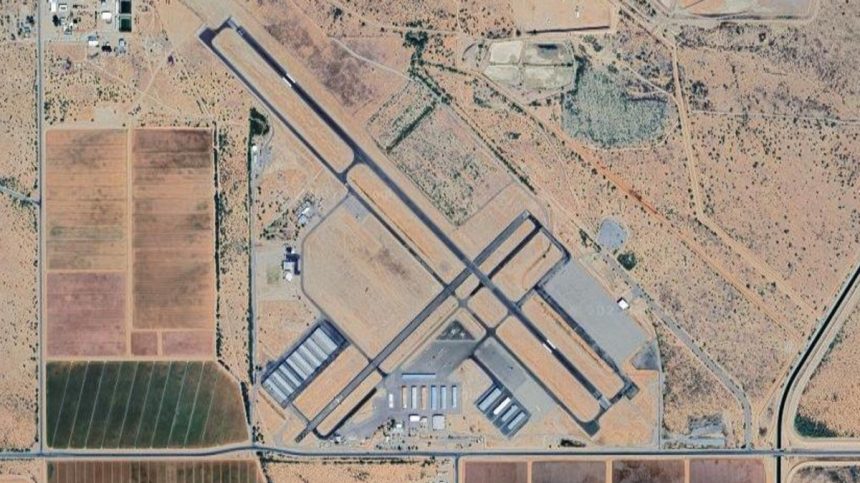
[573, 347]
[330, 382]
[416, 233]
[830, 396]
[561, 15]
[18, 130]
[550, 371]
[360, 276]
[22, 471]
[691, 393]
[20, 338]
[346, 470]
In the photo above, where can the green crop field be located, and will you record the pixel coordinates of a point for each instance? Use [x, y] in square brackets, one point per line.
[153, 471]
[142, 405]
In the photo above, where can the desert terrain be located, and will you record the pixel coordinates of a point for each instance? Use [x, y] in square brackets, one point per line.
[353, 227]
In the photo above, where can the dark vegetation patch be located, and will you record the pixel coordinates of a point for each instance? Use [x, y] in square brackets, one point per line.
[141, 405]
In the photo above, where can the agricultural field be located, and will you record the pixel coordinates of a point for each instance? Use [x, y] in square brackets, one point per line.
[488, 472]
[141, 405]
[154, 471]
[727, 471]
[130, 209]
[172, 237]
[640, 471]
[570, 471]
[829, 406]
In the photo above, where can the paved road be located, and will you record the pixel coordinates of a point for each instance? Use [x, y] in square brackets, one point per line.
[40, 109]
[299, 453]
[801, 362]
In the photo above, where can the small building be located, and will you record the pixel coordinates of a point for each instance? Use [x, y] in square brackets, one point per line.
[623, 303]
[291, 264]
[438, 423]
[93, 41]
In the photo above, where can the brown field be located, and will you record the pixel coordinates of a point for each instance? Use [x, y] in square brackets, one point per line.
[317, 133]
[86, 199]
[523, 271]
[421, 335]
[357, 272]
[831, 396]
[495, 472]
[144, 343]
[173, 225]
[568, 471]
[546, 367]
[86, 314]
[183, 344]
[430, 248]
[154, 471]
[646, 471]
[349, 403]
[330, 382]
[488, 308]
[580, 354]
[727, 471]
[89, 214]
[319, 470]
[540, 15]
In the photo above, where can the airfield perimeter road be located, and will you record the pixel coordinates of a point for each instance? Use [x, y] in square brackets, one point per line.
[207, 36]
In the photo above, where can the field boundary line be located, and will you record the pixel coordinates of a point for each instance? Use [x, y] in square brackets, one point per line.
[78, 405]
[179, 400]
[110, 411]
[194, 404]
[128, 403]
[110, 403]
[160, 404]
[95, 404]
[208, 413]
[62, 403]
